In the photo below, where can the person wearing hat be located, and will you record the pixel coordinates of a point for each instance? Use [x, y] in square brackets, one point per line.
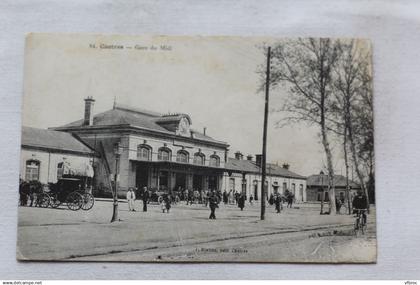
[277, 203]
[360, 203]
[213, 201]
[145, 198]
[241, 201]
[131, 197]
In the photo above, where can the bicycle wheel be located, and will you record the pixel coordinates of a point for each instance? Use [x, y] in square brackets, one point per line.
[363, 228]
[88, 201]
[74, 201]
[356, 227]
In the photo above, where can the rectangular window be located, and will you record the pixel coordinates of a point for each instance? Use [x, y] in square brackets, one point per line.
[32, 171]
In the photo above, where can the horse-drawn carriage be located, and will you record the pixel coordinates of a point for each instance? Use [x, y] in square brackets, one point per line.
[73, 192]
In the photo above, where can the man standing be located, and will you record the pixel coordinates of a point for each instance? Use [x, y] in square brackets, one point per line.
[145, 198]
[225, 197]
[131, 196]
[241, 201]
[277, 203]
[213, 201]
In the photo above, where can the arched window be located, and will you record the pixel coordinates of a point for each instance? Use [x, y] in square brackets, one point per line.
[32, 170]
[214, 161]
[164, 154]
[144, 152]
[60, 170]
[199, 158]
[182, 156]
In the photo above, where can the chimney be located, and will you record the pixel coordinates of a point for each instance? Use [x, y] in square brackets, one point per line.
[249, 157]
[286, 166]
[88, 120]
[258, 159]
[238, 155]
[204, 130]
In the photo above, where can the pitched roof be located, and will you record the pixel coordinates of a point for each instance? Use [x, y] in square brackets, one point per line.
[52, 140]
[124, 115]
[277, 170]
[244, 165]
[318, 180]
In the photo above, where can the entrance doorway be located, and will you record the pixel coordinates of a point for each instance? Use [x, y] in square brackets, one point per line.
[142, 175]
[198, 182]
[180, 181]
[255, 189]
[213, 183]
[163, 180]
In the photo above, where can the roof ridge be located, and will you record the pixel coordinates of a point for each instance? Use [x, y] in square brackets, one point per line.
[136, 110]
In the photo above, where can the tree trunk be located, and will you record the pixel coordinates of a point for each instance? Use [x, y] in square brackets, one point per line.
[346, 162]
[355, 161]
[331, 187]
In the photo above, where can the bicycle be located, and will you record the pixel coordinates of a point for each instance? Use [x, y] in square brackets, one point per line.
[360, 222]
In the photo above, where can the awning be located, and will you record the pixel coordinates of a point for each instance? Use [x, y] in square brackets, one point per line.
[77, 169]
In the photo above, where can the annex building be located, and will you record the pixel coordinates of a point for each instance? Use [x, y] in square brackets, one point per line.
[47, 155]
[245, 175]
[318, 184]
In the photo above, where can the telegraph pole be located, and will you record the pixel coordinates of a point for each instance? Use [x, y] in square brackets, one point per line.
[264, 150]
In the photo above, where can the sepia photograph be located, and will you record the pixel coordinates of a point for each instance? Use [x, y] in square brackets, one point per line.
[197, 149]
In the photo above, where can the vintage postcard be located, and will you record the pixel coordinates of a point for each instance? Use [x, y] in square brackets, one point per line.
[197, 149]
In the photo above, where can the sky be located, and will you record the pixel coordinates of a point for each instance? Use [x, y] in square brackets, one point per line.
[213, 79]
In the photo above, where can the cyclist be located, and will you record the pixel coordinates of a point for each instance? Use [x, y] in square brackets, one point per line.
[360, 204]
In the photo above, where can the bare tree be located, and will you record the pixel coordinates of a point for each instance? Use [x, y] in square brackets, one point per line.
[351, 83]
[305, 67]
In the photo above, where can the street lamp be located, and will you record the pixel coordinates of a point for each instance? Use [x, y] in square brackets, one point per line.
[117, 152]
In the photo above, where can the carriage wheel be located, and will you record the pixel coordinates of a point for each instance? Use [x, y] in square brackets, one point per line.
[45, 200]
[160, 199]
[88, 201]
[74, 201]
[54, 202]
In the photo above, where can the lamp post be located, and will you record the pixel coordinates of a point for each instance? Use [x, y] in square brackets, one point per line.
[322, 192]
[117, 153]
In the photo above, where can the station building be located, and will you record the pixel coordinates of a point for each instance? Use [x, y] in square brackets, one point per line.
[163, 152]
[160, 151]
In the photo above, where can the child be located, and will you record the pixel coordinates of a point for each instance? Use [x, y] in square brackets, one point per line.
[163, 205]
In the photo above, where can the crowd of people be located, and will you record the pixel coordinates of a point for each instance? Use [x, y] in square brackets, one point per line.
[208, 198]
